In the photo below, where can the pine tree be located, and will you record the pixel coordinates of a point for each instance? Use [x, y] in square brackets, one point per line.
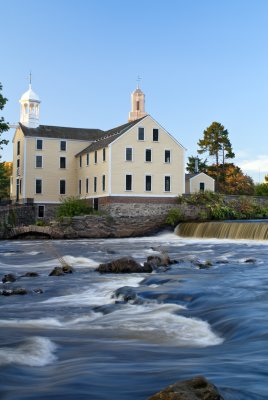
[216, 143]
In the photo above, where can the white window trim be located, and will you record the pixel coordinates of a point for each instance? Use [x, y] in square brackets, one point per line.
[105, 181]
[62, 140]
[81, 161]
[132, 154]
[167, 191]
[104, 151]
[62, 194]
[95, 179]
[87, 185]
[80, 187]
[42, 166]
[148, 191]
[65, 162]
[87, 159]
[36, 144]
[165, 162]
[42, 187]
[148, 148]
[139, 140]
[95, 157]
[155, 141]
[128, 190]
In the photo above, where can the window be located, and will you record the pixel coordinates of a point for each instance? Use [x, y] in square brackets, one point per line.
[18, 148]
[202, 186]
[38, 161]
[104, 154]
[95, 157]
[62, 186]
[80, 161]
[138, 105]
[63, 145]
[148, 183]
[148, 155]
[38, 186]
[87, 185]
[128, 154]
[39, 144]
[62, 162]
[18, 163]
[41, 211]
[80, 186]
[103, 183]
[87, 159]
[95, 184]
[141, 133]
[20, 186]
[167, 183]
[155, 135]
[167, 156]
[128, 182]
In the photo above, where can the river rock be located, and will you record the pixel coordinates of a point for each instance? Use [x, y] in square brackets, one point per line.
[197, 388]
[124, 265]
[30, 275]
[9, 278]
[10, 292]
[58, 271]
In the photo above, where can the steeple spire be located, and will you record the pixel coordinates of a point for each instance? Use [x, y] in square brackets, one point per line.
[137, 103]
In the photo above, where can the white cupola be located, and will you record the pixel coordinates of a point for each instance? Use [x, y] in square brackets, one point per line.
[137, 105]
[30, 108]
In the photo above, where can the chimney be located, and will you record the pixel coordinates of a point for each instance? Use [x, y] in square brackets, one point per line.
[196, 165]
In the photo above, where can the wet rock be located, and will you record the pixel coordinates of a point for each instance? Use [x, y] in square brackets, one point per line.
[9, 278]
[30, 275]
[250, 260]
[222, 262]
[38, 291]
[10, 292]
[58, 271]
[127, 294]
[124, 265]
[202, 264]
[197, 388]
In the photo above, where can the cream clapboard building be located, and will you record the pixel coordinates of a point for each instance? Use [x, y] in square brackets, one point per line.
[139, 159]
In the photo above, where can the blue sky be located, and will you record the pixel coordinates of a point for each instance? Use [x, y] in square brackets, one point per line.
[200, 61]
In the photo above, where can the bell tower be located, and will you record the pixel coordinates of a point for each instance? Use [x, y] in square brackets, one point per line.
[137, 105]
[30, 108]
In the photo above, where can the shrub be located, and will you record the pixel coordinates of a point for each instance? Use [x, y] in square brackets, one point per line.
[72, 206]
[174, 217]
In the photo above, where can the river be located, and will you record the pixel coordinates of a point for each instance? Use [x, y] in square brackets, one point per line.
[76, 340]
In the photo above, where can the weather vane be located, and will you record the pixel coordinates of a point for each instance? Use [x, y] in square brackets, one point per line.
[138, 80]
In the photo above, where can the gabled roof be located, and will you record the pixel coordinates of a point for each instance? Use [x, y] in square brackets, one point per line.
[108, 137]
[190, 176]
[62, 132]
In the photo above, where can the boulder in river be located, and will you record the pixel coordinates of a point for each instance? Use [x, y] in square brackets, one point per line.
[10, 292]
[9, 278]
[58, 271]
[30, 275]
[124, 265]
[197, 388]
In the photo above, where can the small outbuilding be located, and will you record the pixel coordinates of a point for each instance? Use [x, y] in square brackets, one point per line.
[198, 182]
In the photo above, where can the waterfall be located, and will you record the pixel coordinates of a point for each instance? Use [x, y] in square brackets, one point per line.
[255, 230]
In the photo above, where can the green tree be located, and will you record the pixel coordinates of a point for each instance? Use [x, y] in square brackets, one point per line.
[202, 165]
[261, 189]
[3, 126]
[5, 173]
[216, 143]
